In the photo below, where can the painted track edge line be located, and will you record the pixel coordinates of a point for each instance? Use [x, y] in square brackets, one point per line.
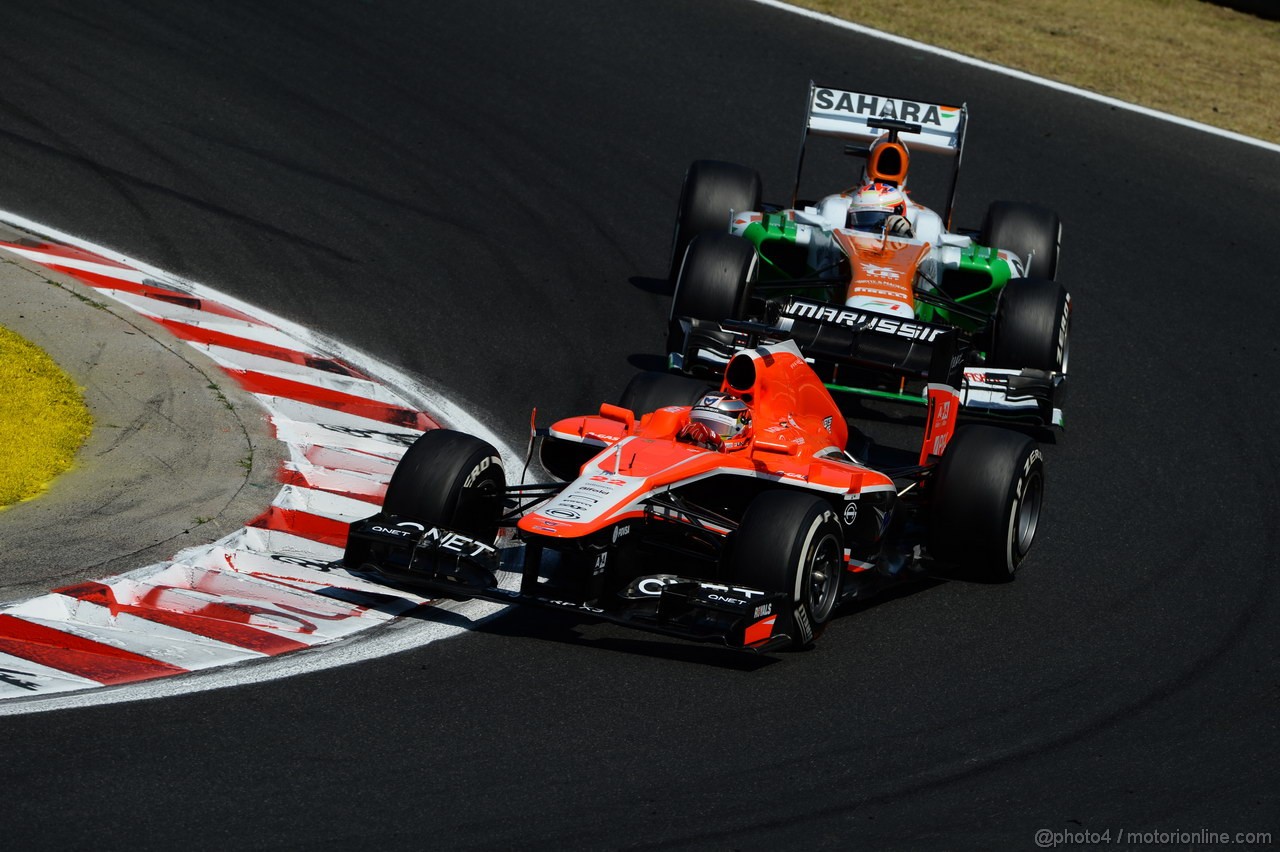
[1025, 76]
[395, 636]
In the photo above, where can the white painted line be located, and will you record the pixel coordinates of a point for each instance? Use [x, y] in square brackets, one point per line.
[1019, 75]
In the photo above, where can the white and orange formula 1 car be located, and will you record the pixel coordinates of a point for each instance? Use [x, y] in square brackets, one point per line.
[731, 514]
[873, 254]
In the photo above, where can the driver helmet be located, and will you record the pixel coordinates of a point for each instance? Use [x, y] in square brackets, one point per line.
[727, 417]
[873, 204]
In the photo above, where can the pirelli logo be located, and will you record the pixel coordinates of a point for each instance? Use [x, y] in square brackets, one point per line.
[863, 320]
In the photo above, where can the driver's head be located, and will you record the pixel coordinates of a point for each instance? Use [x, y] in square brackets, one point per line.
[873, 204]
[727, 417]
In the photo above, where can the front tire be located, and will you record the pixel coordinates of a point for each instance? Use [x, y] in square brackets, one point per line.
[1032, 326]
[712, 190]
[791, 541]
[1027, 230]
[449, 479]
[987, 494]
[714, 283]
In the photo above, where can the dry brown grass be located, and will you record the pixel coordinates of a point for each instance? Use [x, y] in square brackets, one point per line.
[43, 419]
[1186, 57]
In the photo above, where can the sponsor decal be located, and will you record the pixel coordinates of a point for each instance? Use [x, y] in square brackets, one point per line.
[862, 320]
[985, 378]
[873, 106]
[479, 469]
[763, 610]
[621, 531]
[454, 542]
[654, 585]
[1026, 469]
[850, 513]
[803, 625]
[378, 528]
[587, 498]
[869, 288]
[749, 593]
[881, 271]
[1063, 327]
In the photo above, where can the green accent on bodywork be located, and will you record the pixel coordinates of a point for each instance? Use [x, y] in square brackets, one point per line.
[983, 260]
[878, 394]
[772, 226]
[781, 258]
[976, 282]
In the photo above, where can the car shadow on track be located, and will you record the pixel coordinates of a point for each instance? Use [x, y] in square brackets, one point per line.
[656, 286]
[536, 624]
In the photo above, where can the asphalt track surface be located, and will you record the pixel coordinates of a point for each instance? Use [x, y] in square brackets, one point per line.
[481, 194]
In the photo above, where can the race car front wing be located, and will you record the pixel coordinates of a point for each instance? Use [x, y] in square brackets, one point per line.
[457, 566]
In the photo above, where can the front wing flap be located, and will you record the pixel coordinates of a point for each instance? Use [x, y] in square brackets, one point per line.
[454, 565]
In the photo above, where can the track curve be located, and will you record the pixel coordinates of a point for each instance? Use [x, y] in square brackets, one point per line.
[483, 195]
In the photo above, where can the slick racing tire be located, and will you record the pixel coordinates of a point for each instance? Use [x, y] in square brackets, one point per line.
[987, 495]
[1026, 230]
[712, 190]
[649, 391]
[449, 479]
[1032, 326]
[714, 282]
[791, 541]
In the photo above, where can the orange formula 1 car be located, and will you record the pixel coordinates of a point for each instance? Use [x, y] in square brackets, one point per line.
[731, 514]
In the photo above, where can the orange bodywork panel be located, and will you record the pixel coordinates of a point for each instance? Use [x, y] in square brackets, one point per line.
[796, 428]
[882, 267]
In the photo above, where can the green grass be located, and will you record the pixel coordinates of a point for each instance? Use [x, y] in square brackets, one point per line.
[43, 419]
[1190, 58]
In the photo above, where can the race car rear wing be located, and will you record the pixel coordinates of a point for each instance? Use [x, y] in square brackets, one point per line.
[863, 117]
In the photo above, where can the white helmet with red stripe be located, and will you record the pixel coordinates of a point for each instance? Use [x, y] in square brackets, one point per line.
[873, 205]
[725, 416]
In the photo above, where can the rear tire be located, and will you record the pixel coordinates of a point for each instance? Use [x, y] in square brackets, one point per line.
[449, 479]
[1026, 230]
[987, 495]
[711, 191]
[714, 281]
[1032, 326]
[792, 541]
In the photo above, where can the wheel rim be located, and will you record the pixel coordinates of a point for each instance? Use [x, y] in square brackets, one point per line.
[823, 576]
[1027, 518]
